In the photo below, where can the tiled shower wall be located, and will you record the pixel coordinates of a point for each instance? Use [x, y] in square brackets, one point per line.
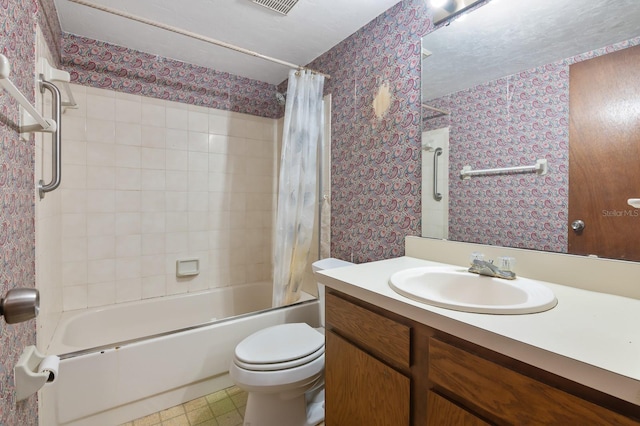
[147, 182]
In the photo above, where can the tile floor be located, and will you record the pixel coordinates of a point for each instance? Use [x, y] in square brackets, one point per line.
[222, 408]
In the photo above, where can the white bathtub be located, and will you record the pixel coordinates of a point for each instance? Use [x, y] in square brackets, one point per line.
[126, 361]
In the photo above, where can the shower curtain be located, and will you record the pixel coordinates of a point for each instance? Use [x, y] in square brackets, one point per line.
[303, 130]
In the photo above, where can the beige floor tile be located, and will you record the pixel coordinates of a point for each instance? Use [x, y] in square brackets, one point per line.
[223, 406]
[233, 390]
[172, 412]
[231, 418]
[211, 422]
[127, 424]
[200, 415]
[216, 396]
[150, 420]
[239, 399]
[177, 421]
[195, 404]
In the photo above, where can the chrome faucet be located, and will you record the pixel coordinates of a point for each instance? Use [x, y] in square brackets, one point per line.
[483, 267]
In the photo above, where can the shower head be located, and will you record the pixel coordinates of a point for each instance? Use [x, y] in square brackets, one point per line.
[281, 98]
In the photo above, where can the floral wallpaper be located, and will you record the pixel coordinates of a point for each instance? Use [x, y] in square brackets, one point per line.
[17, 233]
[50, 27]
[512, 121]
[108, 66]
[376, 161]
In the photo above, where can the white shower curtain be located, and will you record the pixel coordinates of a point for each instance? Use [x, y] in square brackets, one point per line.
[303, 130]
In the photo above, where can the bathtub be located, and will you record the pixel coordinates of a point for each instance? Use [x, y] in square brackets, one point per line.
[125, 361]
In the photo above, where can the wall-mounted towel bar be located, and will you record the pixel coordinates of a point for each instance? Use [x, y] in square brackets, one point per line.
[540, 167]
[438, 112]
[39, 123]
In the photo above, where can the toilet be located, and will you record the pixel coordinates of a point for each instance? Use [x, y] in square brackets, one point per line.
[282, 369]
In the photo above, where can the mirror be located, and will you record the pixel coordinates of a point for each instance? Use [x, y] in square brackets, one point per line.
[498, 80]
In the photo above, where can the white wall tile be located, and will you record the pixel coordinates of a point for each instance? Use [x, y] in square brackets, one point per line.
[97, 130]
[128, 134]
[101, 294]
[101, 247]
[128, 110]
[177, 139]
[150, 181]
[101, 154]
[153, 137]
[153, 115]
[101, 271]
[100, 224]
[127, 179]
[177, 180]
[198, 121]
[74, 297]
[127, 201]
[128, 156]
[153, 158]
[198, 142]
[101, 107]
[100, 177]
[177, 118]
[153, 222]
[153, 180]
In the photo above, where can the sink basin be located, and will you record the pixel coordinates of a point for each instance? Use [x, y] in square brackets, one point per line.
[456, 288]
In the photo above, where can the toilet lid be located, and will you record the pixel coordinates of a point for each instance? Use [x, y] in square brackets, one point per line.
[280, 344]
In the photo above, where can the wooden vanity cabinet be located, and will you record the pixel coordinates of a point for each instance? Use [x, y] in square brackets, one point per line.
[384, 369]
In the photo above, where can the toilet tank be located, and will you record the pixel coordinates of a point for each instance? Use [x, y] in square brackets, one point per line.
[323, 265]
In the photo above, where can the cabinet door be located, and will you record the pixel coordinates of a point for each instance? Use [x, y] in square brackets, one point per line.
[442, 412]
[360, 390]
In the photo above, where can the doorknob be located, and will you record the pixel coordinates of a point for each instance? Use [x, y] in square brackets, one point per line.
[577, 225]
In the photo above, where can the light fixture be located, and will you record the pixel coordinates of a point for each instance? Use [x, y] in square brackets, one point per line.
[439, 3]
[450, 9]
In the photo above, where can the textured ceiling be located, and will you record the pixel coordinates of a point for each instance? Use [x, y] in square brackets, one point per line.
[311, 28]
[508, 36]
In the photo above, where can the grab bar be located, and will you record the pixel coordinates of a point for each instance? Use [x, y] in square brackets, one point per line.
[540, 167]
[56, 151]
[436, 195]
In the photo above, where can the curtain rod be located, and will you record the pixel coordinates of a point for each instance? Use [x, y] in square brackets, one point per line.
[193, 35]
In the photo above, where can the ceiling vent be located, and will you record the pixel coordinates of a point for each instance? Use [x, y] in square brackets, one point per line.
[280, 6]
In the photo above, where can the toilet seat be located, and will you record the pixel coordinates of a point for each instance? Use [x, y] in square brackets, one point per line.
[280, 347]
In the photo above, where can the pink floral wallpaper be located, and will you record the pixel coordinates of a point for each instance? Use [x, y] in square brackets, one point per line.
[107, 66]
[512, 122]
[376, 162]
[17, 233]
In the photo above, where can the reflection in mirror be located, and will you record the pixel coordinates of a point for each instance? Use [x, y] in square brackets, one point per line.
[499, 82]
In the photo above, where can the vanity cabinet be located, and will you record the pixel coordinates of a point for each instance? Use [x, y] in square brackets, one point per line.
[384, 369]
[367, 366]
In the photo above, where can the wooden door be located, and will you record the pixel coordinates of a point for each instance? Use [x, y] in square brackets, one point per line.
[604, 155]
[360, 390]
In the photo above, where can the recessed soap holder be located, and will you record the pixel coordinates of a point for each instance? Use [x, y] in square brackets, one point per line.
[187, 267]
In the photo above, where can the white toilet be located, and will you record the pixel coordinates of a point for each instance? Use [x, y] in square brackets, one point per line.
[282, 369]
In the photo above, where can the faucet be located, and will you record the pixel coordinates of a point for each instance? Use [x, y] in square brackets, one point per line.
[483, 267]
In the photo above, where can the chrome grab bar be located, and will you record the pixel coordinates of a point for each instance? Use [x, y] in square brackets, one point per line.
[436, 195]
[56, 152]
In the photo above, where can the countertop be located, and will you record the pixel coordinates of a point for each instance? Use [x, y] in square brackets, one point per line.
[590, 337]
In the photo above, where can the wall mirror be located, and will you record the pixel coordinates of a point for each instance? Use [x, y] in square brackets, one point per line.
[496, 94]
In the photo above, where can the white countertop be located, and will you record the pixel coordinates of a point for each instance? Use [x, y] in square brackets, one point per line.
[589, 337]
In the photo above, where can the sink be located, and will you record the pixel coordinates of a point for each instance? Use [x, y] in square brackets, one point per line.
[455, 288]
